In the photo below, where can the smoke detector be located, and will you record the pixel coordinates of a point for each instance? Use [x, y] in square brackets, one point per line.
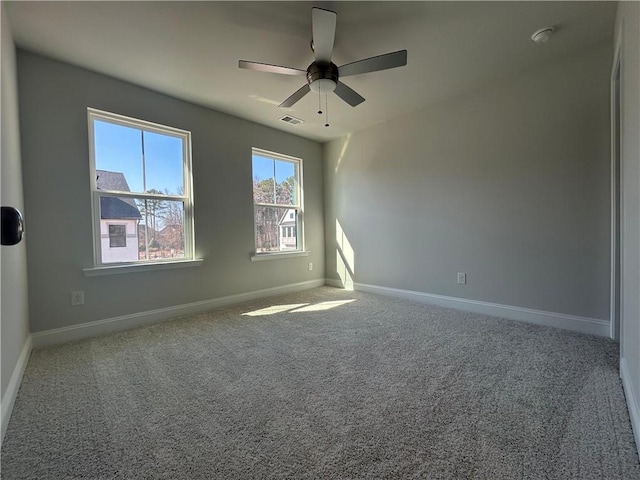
[542, 35]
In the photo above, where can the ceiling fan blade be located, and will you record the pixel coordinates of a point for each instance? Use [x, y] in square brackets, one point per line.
[373, 64]
[324, 33]
[301, 92]
[267, 67]
[348, 95]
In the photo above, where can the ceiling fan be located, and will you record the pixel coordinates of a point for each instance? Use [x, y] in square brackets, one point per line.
[323, 75]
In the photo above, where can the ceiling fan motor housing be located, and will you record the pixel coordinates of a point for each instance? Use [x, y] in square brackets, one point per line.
[322, 77]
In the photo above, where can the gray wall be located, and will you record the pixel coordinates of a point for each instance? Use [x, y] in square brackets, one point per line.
[53, 102]
[628, 24]
[509, 184]
[14, 323]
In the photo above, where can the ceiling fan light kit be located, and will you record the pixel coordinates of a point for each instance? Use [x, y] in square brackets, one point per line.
[323, 75]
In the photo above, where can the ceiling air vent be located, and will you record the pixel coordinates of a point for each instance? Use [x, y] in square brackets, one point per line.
[291, 120]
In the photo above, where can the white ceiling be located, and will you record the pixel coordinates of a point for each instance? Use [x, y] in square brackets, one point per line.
[191, 49]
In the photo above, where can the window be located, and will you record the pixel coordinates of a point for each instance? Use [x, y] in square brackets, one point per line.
[141, 190]
[277, 202]
[117, 236]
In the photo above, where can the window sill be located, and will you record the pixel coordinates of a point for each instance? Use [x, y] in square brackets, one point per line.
[140, 267]
[259, 257]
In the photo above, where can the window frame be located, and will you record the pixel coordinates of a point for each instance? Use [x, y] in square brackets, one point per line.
[186, 198]
[299, 206]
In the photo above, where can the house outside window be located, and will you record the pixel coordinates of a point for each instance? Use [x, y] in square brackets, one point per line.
[141, 190]
[277, 202]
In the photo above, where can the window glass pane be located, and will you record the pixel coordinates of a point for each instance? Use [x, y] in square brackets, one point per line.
[161, 229]
[119, 149]
[263, 180]
[118, 214]
[285, 182]
[163, 163]
[275, 231]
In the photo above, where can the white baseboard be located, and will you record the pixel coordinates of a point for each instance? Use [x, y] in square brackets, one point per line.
[632, 402]
[333, 282]
[591, 326]
[10, 394]
[110, 325]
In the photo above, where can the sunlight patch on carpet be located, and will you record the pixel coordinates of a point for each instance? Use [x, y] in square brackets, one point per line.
[273, 309]
[318, 307]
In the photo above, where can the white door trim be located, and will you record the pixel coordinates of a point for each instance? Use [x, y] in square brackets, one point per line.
[616, 192]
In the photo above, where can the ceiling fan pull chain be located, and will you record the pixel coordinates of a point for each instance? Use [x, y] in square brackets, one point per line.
[319, 105]
[326, 99]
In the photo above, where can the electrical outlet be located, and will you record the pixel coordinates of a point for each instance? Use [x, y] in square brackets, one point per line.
[77, 298]
[310, 266]
[462, 278]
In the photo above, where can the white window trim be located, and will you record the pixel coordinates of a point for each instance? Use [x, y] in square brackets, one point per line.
[187, 198]
[117, 268]
[300, 251]
[259, 257]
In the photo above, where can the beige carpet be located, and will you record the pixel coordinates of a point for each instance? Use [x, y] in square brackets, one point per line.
[324, 384]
